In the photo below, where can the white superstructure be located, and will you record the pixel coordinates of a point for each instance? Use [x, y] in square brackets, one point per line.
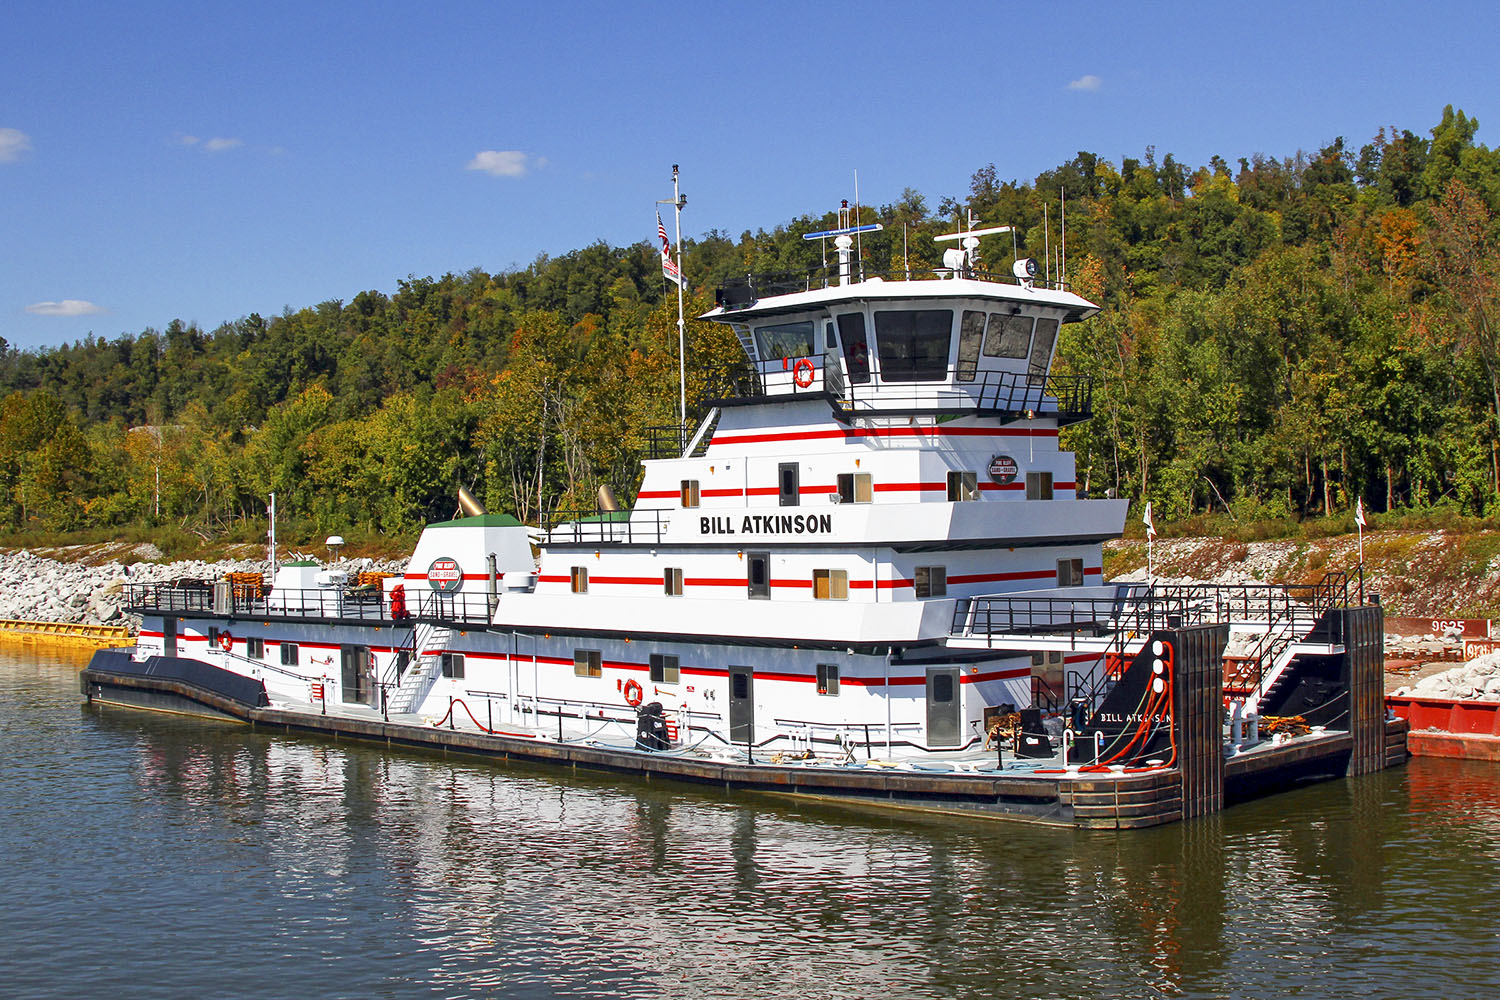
[790, 578]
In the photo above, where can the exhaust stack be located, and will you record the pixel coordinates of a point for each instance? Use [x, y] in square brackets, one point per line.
[469, 504]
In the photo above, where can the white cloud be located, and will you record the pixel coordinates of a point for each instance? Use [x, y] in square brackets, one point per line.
[187, 140]
[13, 143]
[1088, 82]
[505, 162]
[218, 145]
[67, 307]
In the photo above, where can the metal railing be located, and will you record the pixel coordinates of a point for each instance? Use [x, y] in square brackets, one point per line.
[1067, 397]
[739, 293]
[1141, 609]
[464, 608]
[606, 526]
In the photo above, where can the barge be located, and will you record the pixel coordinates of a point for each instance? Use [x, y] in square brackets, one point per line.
[869, 574]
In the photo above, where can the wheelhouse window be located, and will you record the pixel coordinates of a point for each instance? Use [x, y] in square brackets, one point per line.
[690, 496]
[289, 652]
[758, 574]
[588, 663]
[1007, 336]
[1041, 351]
[453, 665]
[1038, 486]
[671, 581]
[963, 486]
[856, 347]
[664, 669]
[970, 337]
[830, 584]
[580, 579]
[931, 581]
[1070, 572]
[855, 487]
[255, 648]
[213, 637]
[913, 344]
[828, 678]
[786, 340]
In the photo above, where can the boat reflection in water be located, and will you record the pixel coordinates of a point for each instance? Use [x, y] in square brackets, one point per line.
[471, 879]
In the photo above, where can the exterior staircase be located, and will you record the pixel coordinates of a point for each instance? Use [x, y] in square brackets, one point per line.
[428, 644]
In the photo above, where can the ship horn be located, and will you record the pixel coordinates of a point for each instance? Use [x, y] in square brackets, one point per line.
[468, 503]
[607, 498]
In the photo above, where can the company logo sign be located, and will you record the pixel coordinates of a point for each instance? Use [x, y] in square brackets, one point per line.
[445, 575]
[1003, 470]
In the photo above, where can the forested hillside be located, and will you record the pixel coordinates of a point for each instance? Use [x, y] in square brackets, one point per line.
[1280, 336]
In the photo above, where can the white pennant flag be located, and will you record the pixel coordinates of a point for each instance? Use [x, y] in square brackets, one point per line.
[1359, 512]
[1150, 524]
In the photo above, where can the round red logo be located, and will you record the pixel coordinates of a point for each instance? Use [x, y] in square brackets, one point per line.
[1003, 469]
[445, 575]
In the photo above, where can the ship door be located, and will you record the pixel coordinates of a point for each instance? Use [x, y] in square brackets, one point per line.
[942, 707]
[169, 637]
[741, 705]
[354, 672]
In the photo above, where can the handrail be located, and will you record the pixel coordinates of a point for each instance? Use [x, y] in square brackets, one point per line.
[597, 525]
[467, 608]
[742, 292]
[957, 388]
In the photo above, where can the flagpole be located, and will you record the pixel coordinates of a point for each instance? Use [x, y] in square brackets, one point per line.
[1359, 522]
[677, 202]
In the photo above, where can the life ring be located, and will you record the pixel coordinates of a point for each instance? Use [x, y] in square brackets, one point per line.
[803, 373]
[226, 641]
[633, 694]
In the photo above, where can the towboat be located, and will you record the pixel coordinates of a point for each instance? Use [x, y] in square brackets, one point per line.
[870, 552]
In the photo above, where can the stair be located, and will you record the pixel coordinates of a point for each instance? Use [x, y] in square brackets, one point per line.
[429, 642]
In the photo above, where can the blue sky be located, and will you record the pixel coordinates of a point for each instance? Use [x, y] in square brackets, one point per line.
[205, 161]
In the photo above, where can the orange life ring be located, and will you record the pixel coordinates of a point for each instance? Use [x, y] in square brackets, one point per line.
[226, 641]
[633, 694]
[803, 373]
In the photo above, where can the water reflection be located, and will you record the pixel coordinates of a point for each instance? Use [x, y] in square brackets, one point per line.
[199, 853]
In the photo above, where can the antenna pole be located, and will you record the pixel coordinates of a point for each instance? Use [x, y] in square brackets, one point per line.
[860, 246]
[1047, 241]
[1062, 267]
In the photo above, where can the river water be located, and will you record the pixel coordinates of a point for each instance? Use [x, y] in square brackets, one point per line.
[157, 856]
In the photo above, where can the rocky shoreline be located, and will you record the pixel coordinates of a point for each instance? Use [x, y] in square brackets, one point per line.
[36, 588]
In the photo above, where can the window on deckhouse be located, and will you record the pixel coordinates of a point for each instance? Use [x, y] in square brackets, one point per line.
[855, 487]
[830, 584]
[588, 663]
[690, 495]
[963, 486]
[828, 678]
[671, 579]
[289, 654]
[1070, 572]
[255, 648]
[580, 579]
[931, 581]
[453, 665]
[664, 668]
[1038, 486]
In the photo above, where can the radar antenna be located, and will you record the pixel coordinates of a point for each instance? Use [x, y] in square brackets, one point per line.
[843, 240]
[963, 260]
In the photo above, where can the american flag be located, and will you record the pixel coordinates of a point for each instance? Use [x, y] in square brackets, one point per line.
[668, 265]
